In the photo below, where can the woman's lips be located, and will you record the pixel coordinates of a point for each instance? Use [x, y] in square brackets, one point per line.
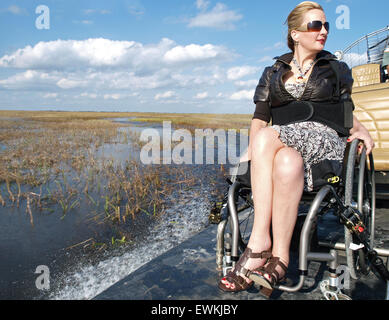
[322, 41]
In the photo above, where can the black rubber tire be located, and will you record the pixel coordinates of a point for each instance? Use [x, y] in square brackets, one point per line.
[359, 186]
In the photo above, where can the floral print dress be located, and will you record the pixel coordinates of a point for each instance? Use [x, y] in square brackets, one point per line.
[314, 141]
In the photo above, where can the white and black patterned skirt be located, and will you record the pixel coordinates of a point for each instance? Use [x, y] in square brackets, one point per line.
[316, 143]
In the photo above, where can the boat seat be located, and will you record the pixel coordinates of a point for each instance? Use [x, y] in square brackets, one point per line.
[366, 74]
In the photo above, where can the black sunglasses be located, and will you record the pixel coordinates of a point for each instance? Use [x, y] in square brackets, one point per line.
[317, 25]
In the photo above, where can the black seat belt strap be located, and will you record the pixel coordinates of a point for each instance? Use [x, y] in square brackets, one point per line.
[334, 66]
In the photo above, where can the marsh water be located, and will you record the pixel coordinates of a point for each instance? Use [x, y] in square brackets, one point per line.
[62, 243]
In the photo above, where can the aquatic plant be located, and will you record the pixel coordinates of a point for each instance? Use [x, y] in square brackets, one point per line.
[51, 162]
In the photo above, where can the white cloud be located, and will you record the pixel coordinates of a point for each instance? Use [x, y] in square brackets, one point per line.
[164, 95]
[202, 4]
[85, 22]
[30, 79]
[114, 96]
[236, 73]
[354, 59]
[88, 95]
[247, 83]
[201, 95]
[276, 46]
[266, 59]
[242, 95]
[66, 83]
[100, 52]
[92, 11]
[204, 78]
[194, 52]
[50, 95]
[220, 17]
[135, 8]
[122, 72]
[62, 54]
[14, 9]
[108, 80]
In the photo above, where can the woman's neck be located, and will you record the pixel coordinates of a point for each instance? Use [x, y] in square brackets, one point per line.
[304, 57]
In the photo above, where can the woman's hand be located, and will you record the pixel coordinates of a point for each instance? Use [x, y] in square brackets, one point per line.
[360, 132]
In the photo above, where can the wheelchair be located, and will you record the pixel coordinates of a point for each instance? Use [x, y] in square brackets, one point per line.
[350, 197]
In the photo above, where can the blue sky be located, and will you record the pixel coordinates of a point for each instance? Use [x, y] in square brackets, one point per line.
[152, 55]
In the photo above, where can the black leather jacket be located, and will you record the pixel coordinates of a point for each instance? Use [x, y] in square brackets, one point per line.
[320, 86]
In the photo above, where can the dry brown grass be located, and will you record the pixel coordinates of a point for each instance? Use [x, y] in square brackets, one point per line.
[201, 120]
[50, 161]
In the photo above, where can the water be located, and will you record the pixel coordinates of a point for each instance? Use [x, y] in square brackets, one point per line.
[88, 280]
[60, 241]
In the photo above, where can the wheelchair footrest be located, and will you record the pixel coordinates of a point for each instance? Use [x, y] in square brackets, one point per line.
[330, 294]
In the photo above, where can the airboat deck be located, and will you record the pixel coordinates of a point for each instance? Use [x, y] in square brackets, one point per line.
[188, 272]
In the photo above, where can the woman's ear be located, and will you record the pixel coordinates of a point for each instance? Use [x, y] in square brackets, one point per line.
[295, 35]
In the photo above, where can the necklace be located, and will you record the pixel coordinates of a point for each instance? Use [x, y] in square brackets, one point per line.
[300, 77]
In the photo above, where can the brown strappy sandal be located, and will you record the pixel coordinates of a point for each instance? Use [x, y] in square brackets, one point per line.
[258, 275]
[234, 277]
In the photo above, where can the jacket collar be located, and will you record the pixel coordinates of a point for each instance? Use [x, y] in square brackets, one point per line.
[322, 55]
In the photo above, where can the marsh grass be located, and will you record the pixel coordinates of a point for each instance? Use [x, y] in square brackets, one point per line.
[192, 122]
[50, 163]
[184, 120]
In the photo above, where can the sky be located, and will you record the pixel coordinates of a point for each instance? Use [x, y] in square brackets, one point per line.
[186, 56]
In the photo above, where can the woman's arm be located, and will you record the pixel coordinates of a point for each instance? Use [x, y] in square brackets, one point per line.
[256, 125]
[360, 132]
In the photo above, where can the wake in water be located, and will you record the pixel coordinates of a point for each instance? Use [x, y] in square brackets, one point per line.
[178, 224]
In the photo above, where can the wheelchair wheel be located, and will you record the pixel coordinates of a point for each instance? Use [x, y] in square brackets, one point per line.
[360, 193]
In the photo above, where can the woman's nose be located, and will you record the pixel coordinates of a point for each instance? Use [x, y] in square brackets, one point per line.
[323, 30]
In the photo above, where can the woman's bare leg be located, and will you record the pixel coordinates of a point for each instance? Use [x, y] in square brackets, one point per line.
[288, 184]
[264, 148]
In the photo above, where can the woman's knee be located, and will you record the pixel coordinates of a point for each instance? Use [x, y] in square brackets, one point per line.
[288, 165]
[265, 140]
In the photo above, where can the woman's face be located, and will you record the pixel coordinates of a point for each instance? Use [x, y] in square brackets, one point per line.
[313, 41]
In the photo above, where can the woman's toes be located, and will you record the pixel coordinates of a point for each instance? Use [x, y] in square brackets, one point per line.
[227, 284]
[267, 276]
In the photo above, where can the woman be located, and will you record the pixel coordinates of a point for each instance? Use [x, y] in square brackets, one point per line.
[282, 156]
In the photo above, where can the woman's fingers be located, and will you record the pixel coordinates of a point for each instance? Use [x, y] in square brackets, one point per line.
[368, 142]
[368, 149]
[369, 146]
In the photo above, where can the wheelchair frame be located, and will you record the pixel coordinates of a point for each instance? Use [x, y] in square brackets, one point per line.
[351, 216]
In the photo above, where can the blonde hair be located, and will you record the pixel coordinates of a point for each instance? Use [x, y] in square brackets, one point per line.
[295, 18]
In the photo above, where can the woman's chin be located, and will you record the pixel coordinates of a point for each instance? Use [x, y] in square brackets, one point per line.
[320, 46]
